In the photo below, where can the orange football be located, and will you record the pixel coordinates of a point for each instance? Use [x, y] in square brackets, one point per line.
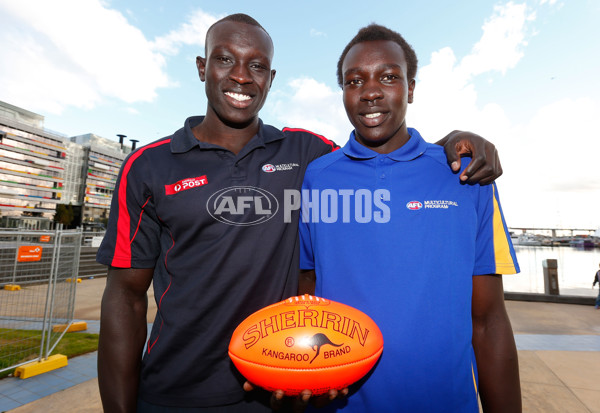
[306, 342]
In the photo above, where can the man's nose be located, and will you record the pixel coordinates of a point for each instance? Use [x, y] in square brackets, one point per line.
[240, 74]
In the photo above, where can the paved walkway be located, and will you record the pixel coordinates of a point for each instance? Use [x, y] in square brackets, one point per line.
[558, 344]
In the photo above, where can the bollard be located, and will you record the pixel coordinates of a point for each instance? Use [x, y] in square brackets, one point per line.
[550, 276]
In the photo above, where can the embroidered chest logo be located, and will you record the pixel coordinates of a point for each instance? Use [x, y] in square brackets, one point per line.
[269, 168]
[185, 184]
[440, 204]
[433, 204]
[414, 205]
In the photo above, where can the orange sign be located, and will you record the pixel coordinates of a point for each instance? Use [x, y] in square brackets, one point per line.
[28, 253]
[45, 238]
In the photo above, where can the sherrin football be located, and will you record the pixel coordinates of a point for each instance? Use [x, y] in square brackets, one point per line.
[305, 342]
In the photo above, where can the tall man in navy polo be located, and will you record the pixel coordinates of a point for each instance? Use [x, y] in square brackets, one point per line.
[202, 214]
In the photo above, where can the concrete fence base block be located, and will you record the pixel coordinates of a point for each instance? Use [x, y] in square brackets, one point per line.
[39, 367]
[76, 326]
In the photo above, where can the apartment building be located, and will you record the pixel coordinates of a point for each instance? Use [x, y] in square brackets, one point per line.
[101, 165]
[40, 169]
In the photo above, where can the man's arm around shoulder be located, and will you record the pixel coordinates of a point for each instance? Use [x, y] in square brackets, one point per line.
[495, 349]
[122, 335]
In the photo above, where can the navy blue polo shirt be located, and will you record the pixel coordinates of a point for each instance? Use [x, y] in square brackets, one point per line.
[221, 232]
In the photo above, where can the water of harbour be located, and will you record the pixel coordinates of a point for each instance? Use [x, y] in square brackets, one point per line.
[576, 269]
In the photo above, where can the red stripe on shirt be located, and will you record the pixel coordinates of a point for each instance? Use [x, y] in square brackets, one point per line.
[334, 147]
[140, 220]
[123, 244]
[150, 345]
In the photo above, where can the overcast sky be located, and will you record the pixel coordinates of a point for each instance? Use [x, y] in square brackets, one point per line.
[523, 74]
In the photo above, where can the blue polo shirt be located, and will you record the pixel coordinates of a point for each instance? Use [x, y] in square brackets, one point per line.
[398, 237]
[218, 229]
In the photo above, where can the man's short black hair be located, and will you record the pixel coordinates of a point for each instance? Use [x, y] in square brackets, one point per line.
[238, 18]
[374, 32]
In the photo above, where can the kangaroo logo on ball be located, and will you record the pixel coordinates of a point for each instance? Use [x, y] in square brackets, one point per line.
[319, 340]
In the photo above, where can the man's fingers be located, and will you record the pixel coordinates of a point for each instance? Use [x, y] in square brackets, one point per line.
[453, 153]
[324, 399]
[305, 396]
[301, 401]
[277, 400]
[478, 171]
[484, 167]
[482, 177]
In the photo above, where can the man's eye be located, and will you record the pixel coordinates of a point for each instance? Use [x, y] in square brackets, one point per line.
[353, 82]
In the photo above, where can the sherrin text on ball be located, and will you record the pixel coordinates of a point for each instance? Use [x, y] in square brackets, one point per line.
[306, 343]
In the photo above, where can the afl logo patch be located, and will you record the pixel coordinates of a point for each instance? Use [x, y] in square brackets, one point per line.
[268, 168]
[414, 205]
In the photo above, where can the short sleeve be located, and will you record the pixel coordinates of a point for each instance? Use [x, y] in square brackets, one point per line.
[494, 250]
[132, 239]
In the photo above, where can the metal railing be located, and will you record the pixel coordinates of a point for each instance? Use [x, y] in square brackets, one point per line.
[88, 267]
[38, 274]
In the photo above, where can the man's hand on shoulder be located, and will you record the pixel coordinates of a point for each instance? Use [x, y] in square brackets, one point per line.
[484, 167]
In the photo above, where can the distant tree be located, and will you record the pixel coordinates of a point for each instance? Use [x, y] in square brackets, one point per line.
[32, 214]
[64, 214]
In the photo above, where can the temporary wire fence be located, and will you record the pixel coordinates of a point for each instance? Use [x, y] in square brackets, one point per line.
[38, 277]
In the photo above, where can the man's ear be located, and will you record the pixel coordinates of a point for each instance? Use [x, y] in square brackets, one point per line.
[201, 65]
[411, 90]
[272, 77]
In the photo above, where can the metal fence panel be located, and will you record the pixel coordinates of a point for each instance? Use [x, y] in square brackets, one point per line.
[40, 271]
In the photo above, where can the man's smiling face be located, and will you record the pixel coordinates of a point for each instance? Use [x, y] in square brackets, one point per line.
[377, 93]
[236, 71]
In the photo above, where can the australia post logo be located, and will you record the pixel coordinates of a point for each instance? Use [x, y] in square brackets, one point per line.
[185, 184]
[242, 205]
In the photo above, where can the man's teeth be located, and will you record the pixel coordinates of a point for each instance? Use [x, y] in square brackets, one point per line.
[372, 115]
[238, 96]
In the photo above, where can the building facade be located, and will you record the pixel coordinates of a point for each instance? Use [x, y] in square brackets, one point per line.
[42, 172]
[102, 160]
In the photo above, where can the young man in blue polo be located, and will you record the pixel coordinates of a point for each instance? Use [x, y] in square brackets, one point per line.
[388, 229]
